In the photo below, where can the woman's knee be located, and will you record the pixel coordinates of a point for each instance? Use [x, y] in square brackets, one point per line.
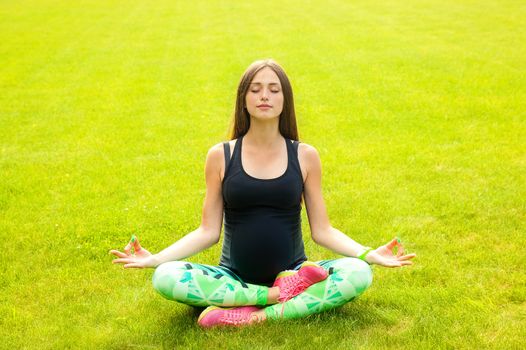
[356, 272]
[166, 277]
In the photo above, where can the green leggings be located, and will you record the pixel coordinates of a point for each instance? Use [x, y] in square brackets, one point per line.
[203, 285]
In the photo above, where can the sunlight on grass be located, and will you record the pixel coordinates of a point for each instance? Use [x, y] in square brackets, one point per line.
[107, 112]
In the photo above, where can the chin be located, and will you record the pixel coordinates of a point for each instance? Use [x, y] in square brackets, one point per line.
[266, 117]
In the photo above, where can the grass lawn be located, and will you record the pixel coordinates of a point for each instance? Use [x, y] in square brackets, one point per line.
[107, 111]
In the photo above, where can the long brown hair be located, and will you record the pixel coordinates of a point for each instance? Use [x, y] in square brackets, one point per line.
[287, 118]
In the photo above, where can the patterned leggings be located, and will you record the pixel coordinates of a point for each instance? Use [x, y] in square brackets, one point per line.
[203, 285]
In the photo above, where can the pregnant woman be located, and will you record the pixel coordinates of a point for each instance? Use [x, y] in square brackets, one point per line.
[256, 184]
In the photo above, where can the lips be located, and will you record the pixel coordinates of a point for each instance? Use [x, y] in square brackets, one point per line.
[264, 106]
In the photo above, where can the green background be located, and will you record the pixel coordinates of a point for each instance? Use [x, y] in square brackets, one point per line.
[108, 109]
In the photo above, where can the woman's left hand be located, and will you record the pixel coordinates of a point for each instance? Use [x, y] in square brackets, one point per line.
[384, 255]
[140, 258]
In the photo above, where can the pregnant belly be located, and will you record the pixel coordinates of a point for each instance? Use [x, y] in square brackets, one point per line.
[262, 249]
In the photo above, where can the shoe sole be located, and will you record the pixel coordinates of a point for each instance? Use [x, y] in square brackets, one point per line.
[208, 310]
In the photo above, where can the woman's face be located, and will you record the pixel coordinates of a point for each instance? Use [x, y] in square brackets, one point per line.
[265, 89]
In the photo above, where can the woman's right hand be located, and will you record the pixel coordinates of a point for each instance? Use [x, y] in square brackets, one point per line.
[140, 258]
[384, 255]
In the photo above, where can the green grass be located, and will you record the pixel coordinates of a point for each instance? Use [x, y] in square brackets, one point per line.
[107, 110]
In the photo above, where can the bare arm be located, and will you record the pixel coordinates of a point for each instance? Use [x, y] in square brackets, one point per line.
[321, 230]
[209, 232]
[329, 237]
[205, 236]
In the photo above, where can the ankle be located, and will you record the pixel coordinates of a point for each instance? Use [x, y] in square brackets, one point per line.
[258, 316]
[273, 295]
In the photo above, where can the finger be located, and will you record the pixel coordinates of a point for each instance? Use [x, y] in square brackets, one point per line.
[132, 265]
[136, 244]
[400, 264]
[392, 244]
[118, 261]
[122, 261]
[117, 253]
[406, 257]
[127, 249]
[396, 242]
[400, 250]
[391, 265]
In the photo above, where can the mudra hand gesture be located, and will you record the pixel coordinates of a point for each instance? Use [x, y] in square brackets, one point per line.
[140, 258]
[384, 255]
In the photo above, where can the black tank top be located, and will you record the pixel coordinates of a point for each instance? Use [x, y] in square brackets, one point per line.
[262, 219]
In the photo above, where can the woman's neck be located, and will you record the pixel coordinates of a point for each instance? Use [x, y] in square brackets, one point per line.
[263, 134]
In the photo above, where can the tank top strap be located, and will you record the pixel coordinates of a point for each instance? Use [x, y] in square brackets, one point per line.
[236, 155]
[293, 159]
[226, 148]
[232, 163]
[295, 145]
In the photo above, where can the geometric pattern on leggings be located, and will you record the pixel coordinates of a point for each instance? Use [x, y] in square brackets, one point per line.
[350, 277]
[204, 285]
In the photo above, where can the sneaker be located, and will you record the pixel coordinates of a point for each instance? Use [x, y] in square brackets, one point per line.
[292, 283]
[230, 316]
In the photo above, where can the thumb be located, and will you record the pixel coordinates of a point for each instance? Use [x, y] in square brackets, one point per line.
[127, 249]
[393, 243]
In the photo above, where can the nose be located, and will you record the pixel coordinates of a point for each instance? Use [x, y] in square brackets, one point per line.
[264, 94]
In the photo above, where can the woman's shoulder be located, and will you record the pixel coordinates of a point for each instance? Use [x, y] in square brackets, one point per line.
[307, 150]
[220, 146]
[217, 151]
[308, 157]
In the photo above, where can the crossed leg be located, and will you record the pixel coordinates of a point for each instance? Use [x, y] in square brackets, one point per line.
[204, 285]
[348, 278]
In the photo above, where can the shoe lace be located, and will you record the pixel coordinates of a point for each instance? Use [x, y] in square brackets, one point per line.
[292, 286]
[236, 317]
[292, 290]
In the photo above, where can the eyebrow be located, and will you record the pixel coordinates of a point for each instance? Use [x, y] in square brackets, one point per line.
[258, 83]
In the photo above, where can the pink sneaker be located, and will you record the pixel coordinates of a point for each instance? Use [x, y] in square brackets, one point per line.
[292, 283]
[230, 316]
